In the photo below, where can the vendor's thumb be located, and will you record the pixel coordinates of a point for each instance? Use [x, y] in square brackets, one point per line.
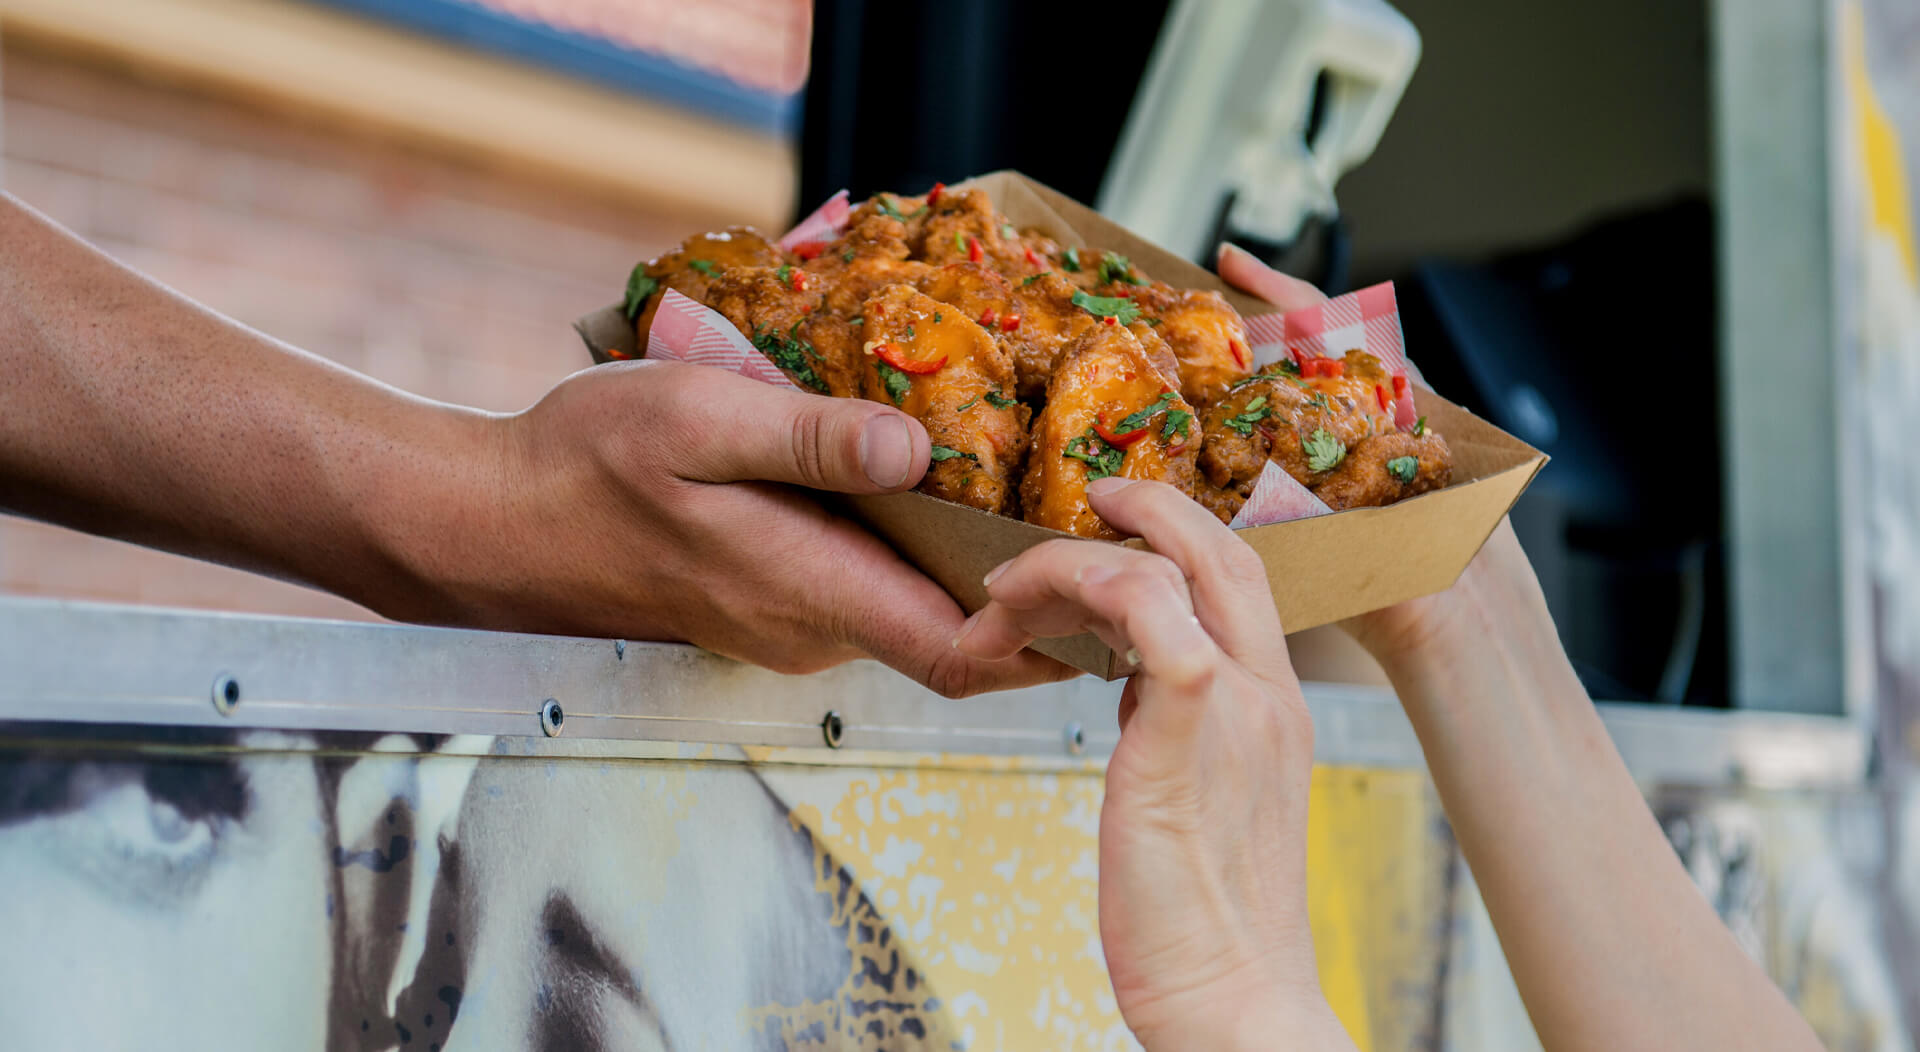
[847, 445]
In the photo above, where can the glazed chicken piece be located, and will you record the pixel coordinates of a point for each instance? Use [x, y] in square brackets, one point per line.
[932, 361]
[910, 212]
[1383, 469]
[1157, 352]
[691, 269]
[1108, 412]
[964, 227]
[871, 255]
[1224, 503]
[778, 309]
[1098, 270]
[1049, 323]
[1034, 319]
[1204, 331]
[1333, 433]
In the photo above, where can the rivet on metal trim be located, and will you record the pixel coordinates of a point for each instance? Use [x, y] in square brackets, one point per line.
[833, 729]
[226, 694]
[552, 718]
[1076, 739]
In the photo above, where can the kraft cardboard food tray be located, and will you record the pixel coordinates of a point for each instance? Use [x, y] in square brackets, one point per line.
[1322, 569]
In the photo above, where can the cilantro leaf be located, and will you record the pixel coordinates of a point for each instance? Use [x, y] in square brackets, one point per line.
[1119, 308]
[1035, 278]
[639, 289]
[784, 274]
[846, 255]
[1116, 267]
[936, 317]
[1324, 452]
[1403, 468]
[705, 266]
[1420, 427]
[1000, 401]
[896, 382]
[1177, 424]
[1007, 231]
[1288, 366]
[1138, 419]
[1255, 412]
[941, 453]
[968, 404]
[910, 332]
[1319, 401]
[959, 242]
[1101, 459]
[791, 354]
[1070, 260]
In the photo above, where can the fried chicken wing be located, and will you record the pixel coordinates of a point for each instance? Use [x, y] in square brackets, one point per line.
[964, 227]
[691, 268]
[910, 212]
[871, 255]
[935, 363]
[1323, 430]
[778, 309]
[1108, 412]
[1382, 469]
[1157, 352]
[1206, 334]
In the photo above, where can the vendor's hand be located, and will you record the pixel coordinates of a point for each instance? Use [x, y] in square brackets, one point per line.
[1203, 911]
[658, 500]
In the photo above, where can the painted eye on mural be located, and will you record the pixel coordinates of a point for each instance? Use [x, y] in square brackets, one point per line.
[144, 830]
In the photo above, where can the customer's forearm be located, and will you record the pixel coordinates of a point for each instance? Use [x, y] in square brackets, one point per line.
[1610, 944]
[133, 413]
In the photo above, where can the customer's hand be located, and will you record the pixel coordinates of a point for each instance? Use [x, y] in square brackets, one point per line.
[1203, 833]
[658, 500]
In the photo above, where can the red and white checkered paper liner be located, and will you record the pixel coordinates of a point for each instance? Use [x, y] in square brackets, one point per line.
[1369, 320]
[685, 330]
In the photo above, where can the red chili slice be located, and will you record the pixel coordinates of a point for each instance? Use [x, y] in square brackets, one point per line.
[1009, 323]
[1120, 440]
[988, 319]
[1386, 403]
[974, 252]
[1240, 356]
[809, 249]
[1399, 385]
[798, 279]
[1033, 258]
[933, 195]
[894, 356]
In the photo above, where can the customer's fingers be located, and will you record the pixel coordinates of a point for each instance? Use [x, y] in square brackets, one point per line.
[1228, 581]
[1035, 596]
[1239, 268]
[1136, 602]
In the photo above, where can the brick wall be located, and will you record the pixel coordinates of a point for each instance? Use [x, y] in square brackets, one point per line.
[452, 283]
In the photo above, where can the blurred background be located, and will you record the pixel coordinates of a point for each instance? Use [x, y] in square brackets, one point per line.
[429, 190]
